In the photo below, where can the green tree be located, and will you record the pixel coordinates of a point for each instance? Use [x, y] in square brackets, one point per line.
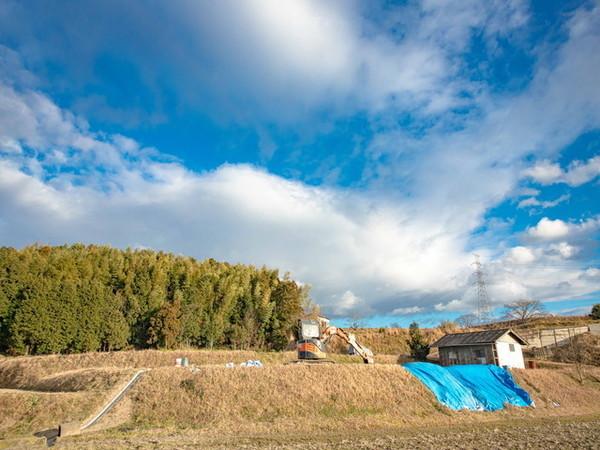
[115, 332]
[288, 298]
[595, 311]
[85, 298]
[165, 325]
[419, 349]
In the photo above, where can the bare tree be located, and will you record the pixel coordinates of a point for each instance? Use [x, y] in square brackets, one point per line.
[524, 309]
[466, 320]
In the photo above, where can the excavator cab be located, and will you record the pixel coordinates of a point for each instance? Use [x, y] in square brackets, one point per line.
[309, 345]
[312, 343]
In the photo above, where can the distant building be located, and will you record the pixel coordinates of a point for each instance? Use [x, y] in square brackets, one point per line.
[500, 347]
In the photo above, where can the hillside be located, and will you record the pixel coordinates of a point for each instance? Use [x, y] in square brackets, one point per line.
[536, 323]
[392, 340]
[395, 340]
[37, 393]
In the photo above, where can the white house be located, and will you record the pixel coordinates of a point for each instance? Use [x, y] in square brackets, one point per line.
[501, 347]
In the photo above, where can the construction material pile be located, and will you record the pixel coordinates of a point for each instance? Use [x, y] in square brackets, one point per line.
[473, 387]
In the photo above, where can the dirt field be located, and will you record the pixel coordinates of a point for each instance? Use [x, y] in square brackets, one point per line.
[566, 433]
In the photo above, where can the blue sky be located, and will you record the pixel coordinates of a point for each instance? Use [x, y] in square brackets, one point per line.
[368, 149]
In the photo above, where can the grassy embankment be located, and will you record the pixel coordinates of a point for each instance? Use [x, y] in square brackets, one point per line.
[40, 392]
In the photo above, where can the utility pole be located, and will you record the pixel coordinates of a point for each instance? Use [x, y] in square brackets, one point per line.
[483, 302]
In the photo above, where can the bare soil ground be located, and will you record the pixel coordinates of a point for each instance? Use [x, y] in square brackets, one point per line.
[564, 433]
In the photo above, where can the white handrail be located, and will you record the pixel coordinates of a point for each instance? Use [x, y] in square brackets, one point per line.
[113, 401]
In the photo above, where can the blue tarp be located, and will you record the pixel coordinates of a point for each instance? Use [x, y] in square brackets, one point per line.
[474, 387]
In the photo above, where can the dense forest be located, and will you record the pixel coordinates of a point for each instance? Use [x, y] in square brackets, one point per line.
[87, 298]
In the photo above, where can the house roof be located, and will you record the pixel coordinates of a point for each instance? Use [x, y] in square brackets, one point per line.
[476, 337]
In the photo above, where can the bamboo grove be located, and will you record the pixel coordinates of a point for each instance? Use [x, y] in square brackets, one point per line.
[80, 298]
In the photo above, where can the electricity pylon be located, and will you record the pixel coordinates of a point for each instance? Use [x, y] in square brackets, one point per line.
[483, 301]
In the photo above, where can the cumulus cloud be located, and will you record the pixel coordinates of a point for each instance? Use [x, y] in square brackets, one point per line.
[361, 250]
[521, 255]
[355, 249]
[576, 174]
[544, 172]
[548, 229]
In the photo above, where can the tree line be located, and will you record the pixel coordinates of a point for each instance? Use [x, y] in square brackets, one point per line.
[78, 298]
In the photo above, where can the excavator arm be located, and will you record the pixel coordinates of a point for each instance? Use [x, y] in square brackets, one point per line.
[363, 352]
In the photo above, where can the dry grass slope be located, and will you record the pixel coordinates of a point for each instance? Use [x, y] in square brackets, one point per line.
[16, 372]
[334, 397]
[284, 398]
[559, 392]
[275, 398]
[584, 349]
[23, 413]
[392, 340]
[42, 391]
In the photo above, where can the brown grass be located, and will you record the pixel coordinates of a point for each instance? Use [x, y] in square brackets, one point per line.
[392, 340]
[282, 397]
[552, 387]
[16, 377]
[23, 371]
[544, 322]
[272, 399]
[585, 348]
[23, 413]
[334, 397]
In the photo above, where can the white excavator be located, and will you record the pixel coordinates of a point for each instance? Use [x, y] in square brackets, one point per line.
[313, 341]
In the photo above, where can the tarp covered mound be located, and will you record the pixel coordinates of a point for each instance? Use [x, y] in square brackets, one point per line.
[474, 387]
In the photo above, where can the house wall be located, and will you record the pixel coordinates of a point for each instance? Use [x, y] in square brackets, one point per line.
[467, 354]
[509, 358]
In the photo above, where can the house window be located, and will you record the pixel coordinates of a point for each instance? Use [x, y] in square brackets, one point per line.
[479, 353]
[511, 347]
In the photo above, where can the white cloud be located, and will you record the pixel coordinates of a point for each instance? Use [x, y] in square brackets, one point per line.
[362, 253]
[406, 311]
[348, 303]
[532, 201]
[544, 172]
[564, 249]
[307, 54]
[578, 172]
[452, 305]
[549, 229]
[521, 255]
[481, 164]
[347, 244]
[360, 249]
[10, 146]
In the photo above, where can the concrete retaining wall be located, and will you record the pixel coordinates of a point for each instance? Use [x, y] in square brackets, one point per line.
[551, 337]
